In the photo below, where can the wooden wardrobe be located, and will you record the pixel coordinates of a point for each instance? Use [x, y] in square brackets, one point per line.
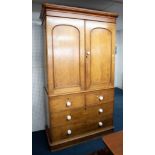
[79, 73]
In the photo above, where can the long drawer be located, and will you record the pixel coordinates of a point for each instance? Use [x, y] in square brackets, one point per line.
[66, 102]
[68, 131]
[68, 117]
[100, 96]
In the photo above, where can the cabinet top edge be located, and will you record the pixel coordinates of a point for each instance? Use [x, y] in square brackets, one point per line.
[47, 6]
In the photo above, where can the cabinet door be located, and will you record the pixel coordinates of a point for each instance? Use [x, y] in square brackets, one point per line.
[65, 54]
[100, 50]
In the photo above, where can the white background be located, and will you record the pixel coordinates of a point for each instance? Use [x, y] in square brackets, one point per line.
[138, 77]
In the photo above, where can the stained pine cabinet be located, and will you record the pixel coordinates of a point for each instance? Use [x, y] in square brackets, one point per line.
[79, 53]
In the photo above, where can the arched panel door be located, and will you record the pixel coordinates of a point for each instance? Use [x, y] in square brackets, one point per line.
[65, 54]
[99, 55]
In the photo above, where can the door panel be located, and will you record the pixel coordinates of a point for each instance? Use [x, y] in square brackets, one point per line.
[65, 54]
[100, 57]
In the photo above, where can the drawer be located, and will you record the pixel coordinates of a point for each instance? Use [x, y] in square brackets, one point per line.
[101, 110]
[99, 124]
[68, 131]
[68, 117]
[66, 102]
[98, 97]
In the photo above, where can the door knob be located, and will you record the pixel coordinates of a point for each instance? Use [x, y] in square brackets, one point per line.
[88, 53]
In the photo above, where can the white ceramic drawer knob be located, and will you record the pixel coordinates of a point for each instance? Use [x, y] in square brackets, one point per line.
[68, 103]
[100, 98]
[69, 132]
[100, 110]
[69, 117]
[100, 123]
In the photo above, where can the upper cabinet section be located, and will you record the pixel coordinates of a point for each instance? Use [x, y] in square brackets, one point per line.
[79, 49]
[65, 54]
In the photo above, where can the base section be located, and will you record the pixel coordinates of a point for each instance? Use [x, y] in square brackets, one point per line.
[78, 139]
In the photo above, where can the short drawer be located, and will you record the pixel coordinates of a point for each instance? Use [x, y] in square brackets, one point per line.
[98, 97]
[68, 117]
[99, 111]
[69, 131]
[66, 102]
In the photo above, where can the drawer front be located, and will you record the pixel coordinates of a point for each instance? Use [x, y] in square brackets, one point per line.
[66, 102]
[99, 124]
[100, 116]
[68, 117]
[69, 131]
[101, 110]
[98, 97]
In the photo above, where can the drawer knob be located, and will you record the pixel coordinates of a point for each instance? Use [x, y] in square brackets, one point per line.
[69, 117]
[100, 98]
[69, 132]
[100, 124]
[68, 103]
[100, 110]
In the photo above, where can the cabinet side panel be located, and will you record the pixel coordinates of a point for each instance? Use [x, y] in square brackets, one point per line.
[45, 54]
[47, 114]
[45, 76]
